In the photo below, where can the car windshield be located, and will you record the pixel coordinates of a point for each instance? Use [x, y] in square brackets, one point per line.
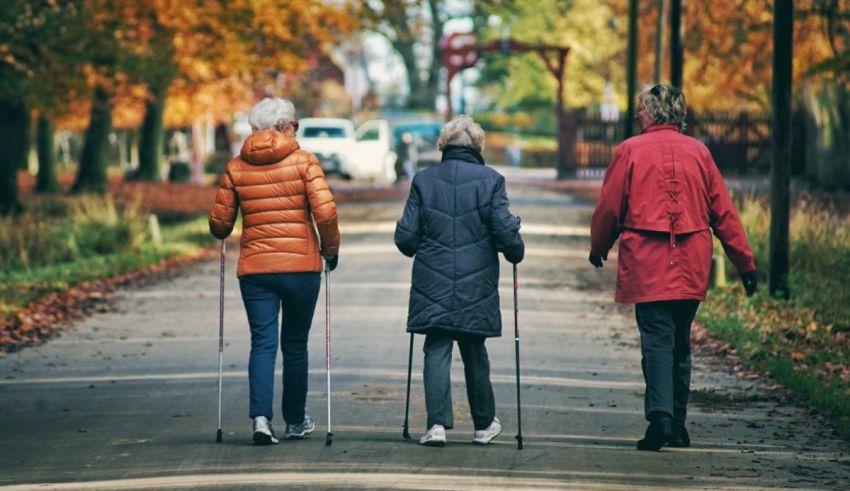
[324, 132]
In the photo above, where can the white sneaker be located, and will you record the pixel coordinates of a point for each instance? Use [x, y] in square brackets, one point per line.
[263, 432]
[483, 437]
[435, 437]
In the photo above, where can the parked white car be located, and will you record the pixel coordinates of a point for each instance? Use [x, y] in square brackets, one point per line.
[365, 153]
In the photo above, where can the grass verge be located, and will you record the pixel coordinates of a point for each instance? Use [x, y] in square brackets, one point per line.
[804, 342]
[34, 302]
[19, 288]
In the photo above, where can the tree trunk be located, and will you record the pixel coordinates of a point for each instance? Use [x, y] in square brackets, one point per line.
[414, 83]
[676, 50]
[659, 39]
[631, 70]
[46, 181]
[14, 130]
[432, 87]
[780, 173]
[91, 176]
[152, 136]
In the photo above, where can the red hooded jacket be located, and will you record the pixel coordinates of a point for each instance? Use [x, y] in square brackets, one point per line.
[662, 195]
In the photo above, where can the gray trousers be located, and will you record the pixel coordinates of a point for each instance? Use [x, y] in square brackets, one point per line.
[438, 385]
[665, 346]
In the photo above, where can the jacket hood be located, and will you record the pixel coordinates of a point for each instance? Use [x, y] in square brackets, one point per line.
[267, 147]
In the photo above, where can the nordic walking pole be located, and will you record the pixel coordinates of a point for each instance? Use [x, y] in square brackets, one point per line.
[516, 348]
[218, 438]
[406, 433]
[330, 435]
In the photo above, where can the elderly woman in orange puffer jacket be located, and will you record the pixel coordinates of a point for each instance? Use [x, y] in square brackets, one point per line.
[280, 191]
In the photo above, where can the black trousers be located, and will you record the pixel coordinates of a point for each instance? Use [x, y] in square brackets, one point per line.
[665, 346]
[438, 385]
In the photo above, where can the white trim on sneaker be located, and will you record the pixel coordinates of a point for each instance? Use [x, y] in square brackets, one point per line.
[434, 437]
[485, 436]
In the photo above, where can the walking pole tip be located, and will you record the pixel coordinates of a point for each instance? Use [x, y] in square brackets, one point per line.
[329, 439]
[218, 438]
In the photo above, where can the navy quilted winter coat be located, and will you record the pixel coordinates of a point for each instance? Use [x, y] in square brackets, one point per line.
[455, 222]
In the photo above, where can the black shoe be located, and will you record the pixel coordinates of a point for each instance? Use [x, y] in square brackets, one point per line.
[657, 434]
[680, 439]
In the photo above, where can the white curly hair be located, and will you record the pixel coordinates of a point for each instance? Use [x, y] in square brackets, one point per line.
[271, 112]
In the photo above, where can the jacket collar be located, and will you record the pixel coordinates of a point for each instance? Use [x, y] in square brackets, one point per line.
[659, 127]
[466, 154]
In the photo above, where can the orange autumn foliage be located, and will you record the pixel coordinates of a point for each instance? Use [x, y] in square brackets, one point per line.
[729, 47]
[214, 57]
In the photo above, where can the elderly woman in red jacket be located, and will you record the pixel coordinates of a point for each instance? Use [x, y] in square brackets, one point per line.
[662, 197]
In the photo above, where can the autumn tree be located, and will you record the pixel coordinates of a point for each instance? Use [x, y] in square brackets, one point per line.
[597, 53]
[825, 95]
[726, 33]
[38, 68]
[112, 63]
[192, 47]
[414, 29]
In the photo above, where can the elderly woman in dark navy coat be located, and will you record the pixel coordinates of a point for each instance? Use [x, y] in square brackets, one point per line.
[455, 223]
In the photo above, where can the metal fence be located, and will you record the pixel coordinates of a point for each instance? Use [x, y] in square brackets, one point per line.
[739, 142]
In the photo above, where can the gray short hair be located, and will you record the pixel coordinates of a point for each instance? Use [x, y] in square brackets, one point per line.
[461, 131]
[271, 112]
[664, 103]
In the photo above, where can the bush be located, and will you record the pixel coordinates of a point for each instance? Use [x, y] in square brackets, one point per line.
[819, 255]
[179, 172]
[538, 122]
[217, 162]
[55, 231]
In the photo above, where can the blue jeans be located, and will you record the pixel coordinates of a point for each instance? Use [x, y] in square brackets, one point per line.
[264, 296]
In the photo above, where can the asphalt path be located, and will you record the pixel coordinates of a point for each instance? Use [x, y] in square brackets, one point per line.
[127, 399]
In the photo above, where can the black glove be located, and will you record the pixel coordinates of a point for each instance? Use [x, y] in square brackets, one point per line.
[330, 262]
[595, 260]
[750, 280]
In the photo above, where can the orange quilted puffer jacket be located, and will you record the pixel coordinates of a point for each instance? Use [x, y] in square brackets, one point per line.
[280, 189]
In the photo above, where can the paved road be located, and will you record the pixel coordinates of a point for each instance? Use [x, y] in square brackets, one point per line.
[127, 398]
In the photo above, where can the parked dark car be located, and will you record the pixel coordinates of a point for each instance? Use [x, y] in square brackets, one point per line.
[424, 134]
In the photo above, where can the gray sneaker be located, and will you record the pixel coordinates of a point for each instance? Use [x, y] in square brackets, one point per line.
[299, 431]
[485, 436]
[263, 431]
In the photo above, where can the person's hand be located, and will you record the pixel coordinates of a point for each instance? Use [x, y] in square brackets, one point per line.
[750, 280]
[595, 260]
[330, 262]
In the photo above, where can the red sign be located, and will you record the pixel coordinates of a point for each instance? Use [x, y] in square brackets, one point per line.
[460, 50]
